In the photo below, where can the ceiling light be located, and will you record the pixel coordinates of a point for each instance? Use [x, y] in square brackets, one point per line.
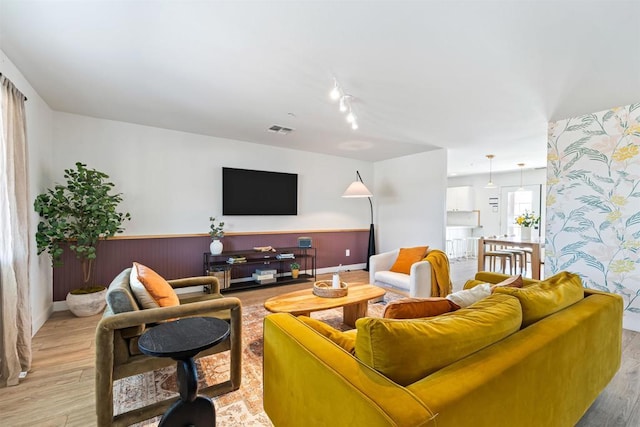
[351, 117]
[354, 125]
[490, 184]
[343, 104]
[521, 169]
[335, 92]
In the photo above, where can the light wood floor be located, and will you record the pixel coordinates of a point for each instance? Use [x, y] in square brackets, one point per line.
[59, 389]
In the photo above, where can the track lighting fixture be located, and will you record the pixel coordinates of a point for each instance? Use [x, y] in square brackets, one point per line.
[337, 94]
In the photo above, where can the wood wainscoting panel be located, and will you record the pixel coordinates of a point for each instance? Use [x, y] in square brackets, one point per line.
[174, 257]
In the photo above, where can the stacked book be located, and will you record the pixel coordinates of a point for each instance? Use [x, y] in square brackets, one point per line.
[286, 256]
[236, 259]
[265, 276]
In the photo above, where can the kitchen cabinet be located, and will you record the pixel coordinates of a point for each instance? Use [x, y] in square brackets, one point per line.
[460, 198]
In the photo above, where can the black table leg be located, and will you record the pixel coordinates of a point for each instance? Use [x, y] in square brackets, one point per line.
[191, 410]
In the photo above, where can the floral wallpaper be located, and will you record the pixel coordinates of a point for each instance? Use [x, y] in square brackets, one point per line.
[593, 203]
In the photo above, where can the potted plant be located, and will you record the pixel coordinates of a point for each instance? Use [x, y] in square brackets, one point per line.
[295, 270]
[526, 221]
[82, 213]
[216, 232]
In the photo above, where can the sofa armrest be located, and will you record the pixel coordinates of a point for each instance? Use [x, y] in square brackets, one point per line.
[309, 380]
[211, 281]
[381, 262]
[420, 280]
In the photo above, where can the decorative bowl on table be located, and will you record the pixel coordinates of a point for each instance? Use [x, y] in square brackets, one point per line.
[325, 289]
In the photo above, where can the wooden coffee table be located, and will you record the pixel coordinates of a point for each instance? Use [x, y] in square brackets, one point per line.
[304, 302]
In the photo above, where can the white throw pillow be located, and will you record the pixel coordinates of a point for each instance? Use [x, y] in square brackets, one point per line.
[140, 291]
[467, 297]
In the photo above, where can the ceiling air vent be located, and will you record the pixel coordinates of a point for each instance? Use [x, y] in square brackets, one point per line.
[279, 129]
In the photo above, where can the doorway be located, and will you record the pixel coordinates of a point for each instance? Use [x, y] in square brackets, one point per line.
[515, 202]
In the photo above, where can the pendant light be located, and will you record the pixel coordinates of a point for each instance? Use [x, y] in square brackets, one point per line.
[521, 169]
[490, 184]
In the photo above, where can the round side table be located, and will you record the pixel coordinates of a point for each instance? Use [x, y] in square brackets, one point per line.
[181, 340]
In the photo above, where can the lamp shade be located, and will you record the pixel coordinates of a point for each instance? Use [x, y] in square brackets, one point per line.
[357, 189]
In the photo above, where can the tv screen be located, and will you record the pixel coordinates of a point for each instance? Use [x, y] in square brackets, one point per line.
[253, 192]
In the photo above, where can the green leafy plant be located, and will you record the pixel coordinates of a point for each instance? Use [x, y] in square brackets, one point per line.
[294, 266]
[82, 212]
[527, 219]
[216, 231]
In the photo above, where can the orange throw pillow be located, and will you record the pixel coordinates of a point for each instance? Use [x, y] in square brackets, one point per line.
[416, 308]
[150, 289]
[407, 257]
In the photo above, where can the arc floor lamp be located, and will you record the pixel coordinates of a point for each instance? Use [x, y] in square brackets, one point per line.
[358, 189]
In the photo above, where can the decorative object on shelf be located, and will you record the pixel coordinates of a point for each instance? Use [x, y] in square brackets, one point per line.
[295, 270]
[87, 301]
[263, 249]
[216, 232]
[325, 289]
[82, 212]
[357, 189]
[216, 247]
[490, 184]
[526, 221]
[304, 242]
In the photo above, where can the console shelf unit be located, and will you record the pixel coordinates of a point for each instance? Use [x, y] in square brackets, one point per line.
[237, 276]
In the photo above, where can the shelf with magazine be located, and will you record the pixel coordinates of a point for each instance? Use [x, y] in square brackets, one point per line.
[260, 267]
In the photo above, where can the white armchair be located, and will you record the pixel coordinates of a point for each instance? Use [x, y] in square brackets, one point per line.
[416, 284]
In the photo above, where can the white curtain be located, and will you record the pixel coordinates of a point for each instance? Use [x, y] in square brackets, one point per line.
[15, 310]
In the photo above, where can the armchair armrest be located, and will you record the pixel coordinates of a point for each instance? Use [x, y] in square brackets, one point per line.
[154, 315]
[211, 281]
[420, 280]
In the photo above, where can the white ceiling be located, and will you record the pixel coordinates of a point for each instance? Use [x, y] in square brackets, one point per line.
[476, 77]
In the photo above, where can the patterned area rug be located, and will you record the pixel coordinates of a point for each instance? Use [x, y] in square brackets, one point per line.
[242, 407]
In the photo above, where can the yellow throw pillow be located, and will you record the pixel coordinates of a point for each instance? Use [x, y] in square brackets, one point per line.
[415, 308]
[406, 351]
[150, 289]
[547, 297]
[407, 257]
[346, 340]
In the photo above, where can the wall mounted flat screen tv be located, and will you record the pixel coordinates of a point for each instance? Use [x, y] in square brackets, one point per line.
[254, 192]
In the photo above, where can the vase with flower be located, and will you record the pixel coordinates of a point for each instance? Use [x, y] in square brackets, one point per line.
[216, 231]
[526, 221]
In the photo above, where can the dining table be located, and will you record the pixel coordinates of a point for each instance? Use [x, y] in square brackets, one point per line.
[535, 244]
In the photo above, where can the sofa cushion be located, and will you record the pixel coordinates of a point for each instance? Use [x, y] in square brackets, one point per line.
[150, 289]
[408, 350]
[397, 280]
[415, 308]
[407, 257]
[346, 340]
[547, 297]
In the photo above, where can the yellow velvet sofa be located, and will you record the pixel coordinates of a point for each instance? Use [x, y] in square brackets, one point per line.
[545, 371]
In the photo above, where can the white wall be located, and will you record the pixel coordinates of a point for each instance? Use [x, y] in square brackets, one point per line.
[409, 201]
[40, 148]
[490, 220]
[171, 181]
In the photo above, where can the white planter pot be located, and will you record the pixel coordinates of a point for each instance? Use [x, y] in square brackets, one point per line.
[525, 233]
[216, 247]
[83, 305]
